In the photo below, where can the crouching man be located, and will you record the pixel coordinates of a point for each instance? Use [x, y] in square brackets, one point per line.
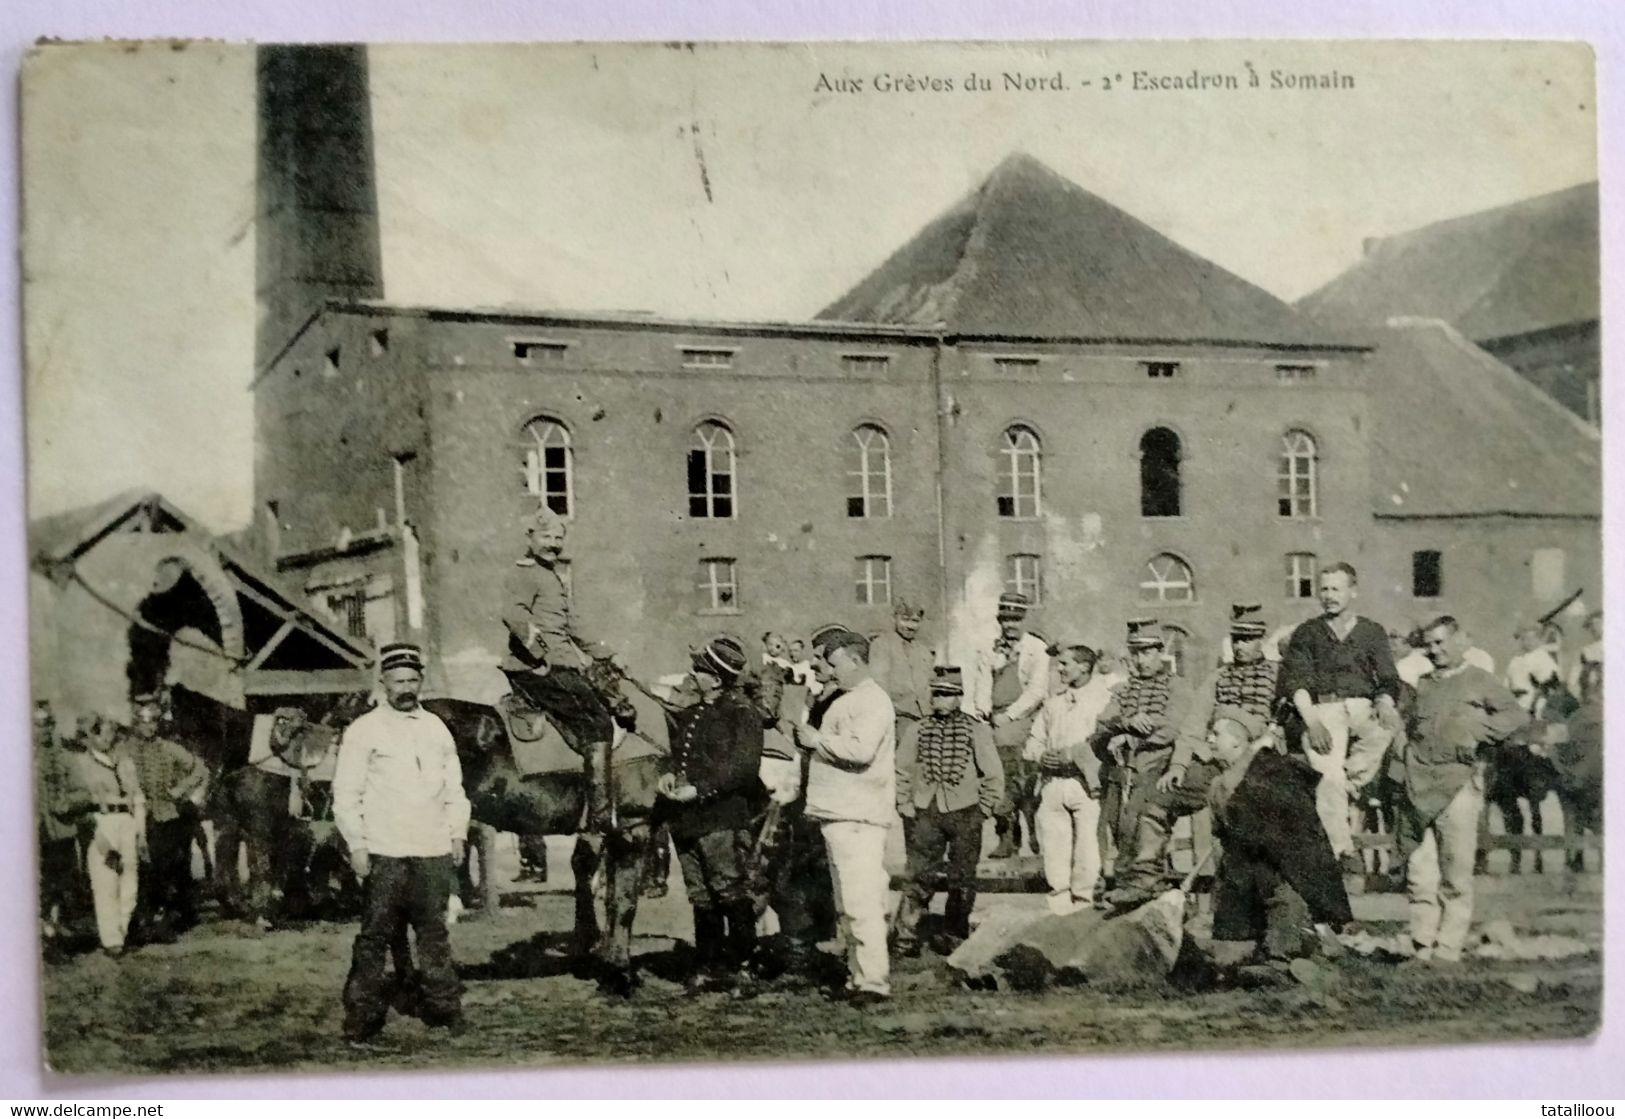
[398, 802]
[1277, 878]
[949, 779]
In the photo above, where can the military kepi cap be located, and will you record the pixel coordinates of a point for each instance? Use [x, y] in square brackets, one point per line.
[1247, 621]
[1013, 606]
[947, 680]
[400, 654]
[721, 657]
[1144, 633]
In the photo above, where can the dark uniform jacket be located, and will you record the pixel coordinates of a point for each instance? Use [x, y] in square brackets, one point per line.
[1271, 832]
[717, 748]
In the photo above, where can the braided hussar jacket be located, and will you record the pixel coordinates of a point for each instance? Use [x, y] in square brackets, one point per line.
[1162, 696]
[1249, 685]
[948, 762]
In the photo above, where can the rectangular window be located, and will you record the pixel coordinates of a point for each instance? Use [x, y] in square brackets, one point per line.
[537, 351]
[872, 576]
[1024, 575]
[1160, 370]
[1302, 573]
[718, 587]
[1427, 574]
[1547, 573]
[349, 609]
[870, 364]
[1292, 374]
[1013, 364]
[696, 358]
[378, 343]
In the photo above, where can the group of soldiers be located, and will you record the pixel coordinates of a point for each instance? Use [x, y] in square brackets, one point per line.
[788, 775]
[118, 811]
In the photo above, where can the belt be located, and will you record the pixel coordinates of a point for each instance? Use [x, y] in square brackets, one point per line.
[113, 808]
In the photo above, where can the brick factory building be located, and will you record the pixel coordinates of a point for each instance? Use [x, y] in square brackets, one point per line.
[1037, 392]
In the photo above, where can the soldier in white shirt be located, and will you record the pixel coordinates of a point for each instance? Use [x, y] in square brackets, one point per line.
[1008, 684]
[852, 794]
[1069, 778]
[1532, 669]
[398, 802]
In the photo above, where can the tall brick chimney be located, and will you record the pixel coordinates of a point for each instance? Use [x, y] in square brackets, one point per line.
[316, 223]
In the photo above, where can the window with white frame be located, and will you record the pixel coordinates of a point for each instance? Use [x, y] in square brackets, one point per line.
[1293, 374]
[712, 481]
[1013, 363]
[695, 357]
[1298, 476]
[872, 577]
[537, 351]
[868, 364]
[1021, 468]
[549, 464]
[1302, 574]
[1160, 370]
[1167, 578]
[868, 473]
[718, 586]
[1024, 575]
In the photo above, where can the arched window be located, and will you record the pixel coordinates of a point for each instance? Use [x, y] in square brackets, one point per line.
[1297, 480]
[868, 473]
[1167, 579]
[1021, 473]
[712, 484]
[549, 464]
[1159, 473]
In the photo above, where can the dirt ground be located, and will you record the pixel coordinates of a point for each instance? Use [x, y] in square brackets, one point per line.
[229, 999]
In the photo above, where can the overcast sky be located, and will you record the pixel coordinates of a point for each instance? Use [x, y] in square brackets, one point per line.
[716, 182]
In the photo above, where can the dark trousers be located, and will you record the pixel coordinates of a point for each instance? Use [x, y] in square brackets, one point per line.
[166, 881]
[931, 835]
[579, 711]
[1252, 902]
[59, 878]
[401, 892]
[715, 866]
[1152, 814]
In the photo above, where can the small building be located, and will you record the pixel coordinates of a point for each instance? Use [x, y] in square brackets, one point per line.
[131, 593]
[1521, 281]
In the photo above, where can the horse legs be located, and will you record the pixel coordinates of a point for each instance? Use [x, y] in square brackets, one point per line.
[625, 852]
[1536, 829]
[584, 861]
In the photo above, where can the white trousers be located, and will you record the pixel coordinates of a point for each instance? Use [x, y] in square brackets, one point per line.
[1359, 744]
[1439, 877]
[1067, 819]
[857, 854]
[113, 892]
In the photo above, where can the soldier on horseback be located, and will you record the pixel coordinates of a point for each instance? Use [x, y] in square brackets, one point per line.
[553, 669]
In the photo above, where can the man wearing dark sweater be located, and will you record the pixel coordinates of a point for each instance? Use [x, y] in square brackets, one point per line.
[1337, 672]
[1459, 710]
[708, 801]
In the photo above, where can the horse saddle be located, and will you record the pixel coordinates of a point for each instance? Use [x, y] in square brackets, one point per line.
[537, 746]
[312, 754]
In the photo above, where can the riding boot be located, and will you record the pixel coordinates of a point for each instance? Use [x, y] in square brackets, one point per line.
[1144, 877]
[956, 913]
[709, 931]
[741, 942]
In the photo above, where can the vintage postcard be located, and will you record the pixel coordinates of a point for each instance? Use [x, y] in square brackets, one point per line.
[671, 552]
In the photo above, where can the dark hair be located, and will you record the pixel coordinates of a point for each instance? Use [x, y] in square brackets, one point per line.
[1081, 653]
[1340, 568]
[856, 643]
[1444, 620]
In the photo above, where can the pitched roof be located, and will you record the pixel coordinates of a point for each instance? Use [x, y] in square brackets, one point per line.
[1029, 253]
[1456, 433]
[1490, 274]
